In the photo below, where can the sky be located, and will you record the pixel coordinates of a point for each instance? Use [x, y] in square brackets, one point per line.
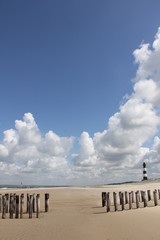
[79, 91]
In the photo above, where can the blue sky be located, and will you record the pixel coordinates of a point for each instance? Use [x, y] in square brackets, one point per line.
[70, 63]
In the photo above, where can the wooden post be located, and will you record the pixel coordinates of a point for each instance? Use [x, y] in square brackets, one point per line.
[22, 205]
[30, 206]
[144, 199]
[34, 210]
[17, 207]
[11, 206]
[10, 202]
[155, 198]
[103, 199]
[159, 193]
[149, 195]
[126, 197]
[47, 202]
[38, 205]
[130, 200]
[138, 192]
[0, 203]
[122, 200]
[133, 198]
[3, 207]
[139, 195]
[115, 201]
[137, 199]
[108, 202]
[28, 200]
[7, 200]
[142, 192]
[14, 202]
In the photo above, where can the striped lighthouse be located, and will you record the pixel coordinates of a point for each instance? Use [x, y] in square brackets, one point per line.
[144, 171]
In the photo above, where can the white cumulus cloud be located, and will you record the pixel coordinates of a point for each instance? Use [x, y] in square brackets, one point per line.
[34, 158]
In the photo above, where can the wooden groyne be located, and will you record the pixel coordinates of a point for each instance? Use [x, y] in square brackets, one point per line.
[120, 201]
[14, 205]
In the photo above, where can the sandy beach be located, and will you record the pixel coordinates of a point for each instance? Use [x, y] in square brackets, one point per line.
[77, 213]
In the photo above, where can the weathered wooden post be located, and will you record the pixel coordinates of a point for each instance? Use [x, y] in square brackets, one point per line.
[155, 198]
[17, 207]
[139, 195]
[10, 202]
[115, 201]
[142, 196]
[7, 200]
[30, 206]
[14, 202]
[11, 206]
[38, 205]
[133, 198]
[149, 195]
[126, 197]
[137, 199]
[144, 199]
[108, 202]
[34, 210]
[130, 200]
[122, 200]
[47, 202]
[3, 207]
[103, 199]
[0, 203]
[28, 200]
[159, 193]
[21, 205]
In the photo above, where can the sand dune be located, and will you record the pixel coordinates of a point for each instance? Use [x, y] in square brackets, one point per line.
[76, 213]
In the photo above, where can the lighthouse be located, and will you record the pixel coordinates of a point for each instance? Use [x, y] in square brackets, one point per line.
[144, 171]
